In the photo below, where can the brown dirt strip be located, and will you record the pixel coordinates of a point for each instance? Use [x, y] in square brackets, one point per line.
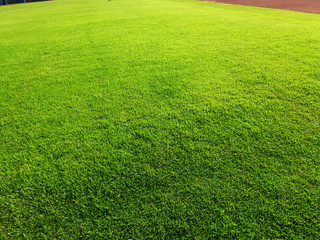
[311, 6]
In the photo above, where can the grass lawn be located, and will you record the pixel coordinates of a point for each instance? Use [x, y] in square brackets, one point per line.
[158, 119]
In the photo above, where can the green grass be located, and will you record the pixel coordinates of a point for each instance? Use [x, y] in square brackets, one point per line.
[158, 119]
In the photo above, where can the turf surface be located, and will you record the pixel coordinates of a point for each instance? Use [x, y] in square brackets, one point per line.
[158, 119]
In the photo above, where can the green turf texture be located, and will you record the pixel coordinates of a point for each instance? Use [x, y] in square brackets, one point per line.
[158, 119]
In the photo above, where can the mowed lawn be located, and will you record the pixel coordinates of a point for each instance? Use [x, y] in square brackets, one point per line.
[158, 119]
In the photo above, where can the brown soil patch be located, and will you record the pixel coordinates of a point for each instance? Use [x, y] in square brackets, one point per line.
[311, 6]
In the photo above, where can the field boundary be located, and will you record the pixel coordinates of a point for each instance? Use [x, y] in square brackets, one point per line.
[309, 6]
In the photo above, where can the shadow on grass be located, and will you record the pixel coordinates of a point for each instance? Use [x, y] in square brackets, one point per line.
[10, 2]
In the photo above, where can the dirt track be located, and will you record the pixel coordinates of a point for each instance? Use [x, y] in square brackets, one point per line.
[311, 6]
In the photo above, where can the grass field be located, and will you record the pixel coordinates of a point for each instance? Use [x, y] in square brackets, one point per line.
[158, 119]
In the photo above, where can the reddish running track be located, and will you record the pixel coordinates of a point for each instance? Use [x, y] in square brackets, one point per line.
[311, 6]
